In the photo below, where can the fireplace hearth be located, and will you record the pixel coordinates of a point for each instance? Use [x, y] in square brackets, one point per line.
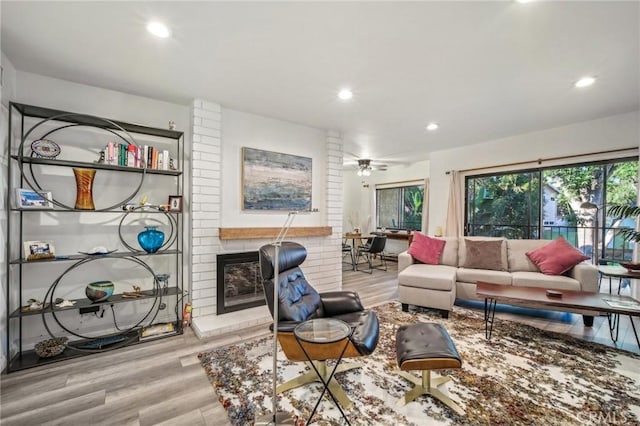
[239, 284]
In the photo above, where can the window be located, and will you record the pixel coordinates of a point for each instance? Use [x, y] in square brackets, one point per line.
[400, 207]
[548, 202]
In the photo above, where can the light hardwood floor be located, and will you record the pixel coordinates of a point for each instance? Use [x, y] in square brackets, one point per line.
[162, 382]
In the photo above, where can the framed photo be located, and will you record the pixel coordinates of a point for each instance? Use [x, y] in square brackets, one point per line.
[34, 250]
[30, 199]
[275, 181]
[175, 203]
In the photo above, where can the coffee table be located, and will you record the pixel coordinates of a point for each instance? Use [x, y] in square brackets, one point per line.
[610, 304]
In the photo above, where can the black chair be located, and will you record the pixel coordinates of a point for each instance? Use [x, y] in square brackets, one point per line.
[347, 250]
[372, 248]
[298, 302]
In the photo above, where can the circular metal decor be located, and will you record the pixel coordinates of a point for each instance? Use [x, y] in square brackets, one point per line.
[150, 315]
[173, 235]
[33, 183]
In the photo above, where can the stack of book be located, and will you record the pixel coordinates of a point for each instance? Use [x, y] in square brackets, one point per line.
[128, 155]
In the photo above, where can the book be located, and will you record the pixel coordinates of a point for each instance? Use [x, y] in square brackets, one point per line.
[623, 304]
[131, 156]
[157, 330]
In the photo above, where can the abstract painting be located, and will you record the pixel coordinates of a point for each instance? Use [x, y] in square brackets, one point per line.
[275, 181]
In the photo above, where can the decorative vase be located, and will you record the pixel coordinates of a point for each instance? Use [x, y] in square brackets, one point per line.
[151, 239]
[99, 291]
[84, 188]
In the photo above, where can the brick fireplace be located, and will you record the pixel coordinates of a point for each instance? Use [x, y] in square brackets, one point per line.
[208, 170]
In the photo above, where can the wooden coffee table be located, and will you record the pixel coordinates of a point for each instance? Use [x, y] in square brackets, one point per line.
[611, 304]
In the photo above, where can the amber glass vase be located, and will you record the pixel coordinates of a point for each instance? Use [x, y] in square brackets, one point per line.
[84, 188]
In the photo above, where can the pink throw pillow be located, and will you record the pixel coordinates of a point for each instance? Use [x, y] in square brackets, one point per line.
[426, 250]
[557, 257]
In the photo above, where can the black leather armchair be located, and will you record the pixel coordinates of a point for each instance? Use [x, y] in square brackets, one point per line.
[299, 301]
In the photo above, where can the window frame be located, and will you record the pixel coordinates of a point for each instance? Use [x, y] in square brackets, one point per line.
[402, 187]
[602, 211]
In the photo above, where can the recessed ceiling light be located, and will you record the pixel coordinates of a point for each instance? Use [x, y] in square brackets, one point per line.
[524, 1]
[585, 82]
[345, 94]
[432, 126]
[158, 29]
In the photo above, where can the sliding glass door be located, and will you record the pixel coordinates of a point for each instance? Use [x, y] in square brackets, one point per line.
[571, 201]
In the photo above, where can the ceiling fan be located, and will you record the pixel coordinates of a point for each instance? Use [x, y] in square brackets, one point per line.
[365, 165]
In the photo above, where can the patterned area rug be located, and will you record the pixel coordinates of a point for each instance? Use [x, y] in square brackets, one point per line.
[522, 376]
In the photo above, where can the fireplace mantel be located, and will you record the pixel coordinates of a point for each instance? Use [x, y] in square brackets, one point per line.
[271, 233]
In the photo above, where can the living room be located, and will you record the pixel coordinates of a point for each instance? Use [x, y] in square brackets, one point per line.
[252, 83]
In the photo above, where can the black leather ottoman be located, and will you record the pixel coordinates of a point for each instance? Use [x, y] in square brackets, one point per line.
[426, 347]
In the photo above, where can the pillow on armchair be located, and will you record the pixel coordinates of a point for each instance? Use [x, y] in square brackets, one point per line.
[425, 249]
[557, 257]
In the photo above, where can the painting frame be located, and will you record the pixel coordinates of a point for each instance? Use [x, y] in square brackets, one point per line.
[36, 250]
[276, 181]
[27, 198]
[174, 204]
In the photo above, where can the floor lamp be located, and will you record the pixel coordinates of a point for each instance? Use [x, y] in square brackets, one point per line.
[277, 417]
[596, 249]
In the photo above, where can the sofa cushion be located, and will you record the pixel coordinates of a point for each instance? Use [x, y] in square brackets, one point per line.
[450, 252]
[538, 279]
[425, 249]
[474, 275]
[556, 257]
[517, 254]
[484, 255]
[434, 277]
[462, 250]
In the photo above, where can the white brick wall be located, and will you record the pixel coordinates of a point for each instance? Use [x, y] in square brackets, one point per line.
[323, 265]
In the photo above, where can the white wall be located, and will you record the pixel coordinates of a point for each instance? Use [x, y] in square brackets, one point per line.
[616, 132]
[240, 129]
[49, 92]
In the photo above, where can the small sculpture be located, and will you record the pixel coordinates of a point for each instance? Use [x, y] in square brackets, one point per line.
[100, 160]
[164, 280]
[172, 125]
[65, 304]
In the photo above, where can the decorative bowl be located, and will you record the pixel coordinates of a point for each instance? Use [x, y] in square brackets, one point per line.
[631, 266]
[99, 291]
[51, 347]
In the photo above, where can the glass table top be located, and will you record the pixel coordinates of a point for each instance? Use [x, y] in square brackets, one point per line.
[322, 330]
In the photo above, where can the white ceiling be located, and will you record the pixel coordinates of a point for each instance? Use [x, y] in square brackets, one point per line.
[483, 70]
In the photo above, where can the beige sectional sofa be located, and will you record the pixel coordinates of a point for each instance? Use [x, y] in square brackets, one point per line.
[437, 286]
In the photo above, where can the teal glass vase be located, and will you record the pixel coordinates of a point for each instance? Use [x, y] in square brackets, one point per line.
[151, 239]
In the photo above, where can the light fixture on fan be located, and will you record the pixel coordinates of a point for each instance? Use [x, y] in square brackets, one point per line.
[364, 167]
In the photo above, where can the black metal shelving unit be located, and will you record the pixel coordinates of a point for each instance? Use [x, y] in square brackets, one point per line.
[24, 127]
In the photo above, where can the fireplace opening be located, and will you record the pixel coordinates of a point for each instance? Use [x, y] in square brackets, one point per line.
[239, 284]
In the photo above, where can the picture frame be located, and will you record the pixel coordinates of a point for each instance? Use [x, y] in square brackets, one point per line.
[27, 198]
[175, 203]
[276, 181]
[36, 250]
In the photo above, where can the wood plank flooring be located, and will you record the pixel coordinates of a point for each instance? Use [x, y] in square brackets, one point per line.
[162, 383]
